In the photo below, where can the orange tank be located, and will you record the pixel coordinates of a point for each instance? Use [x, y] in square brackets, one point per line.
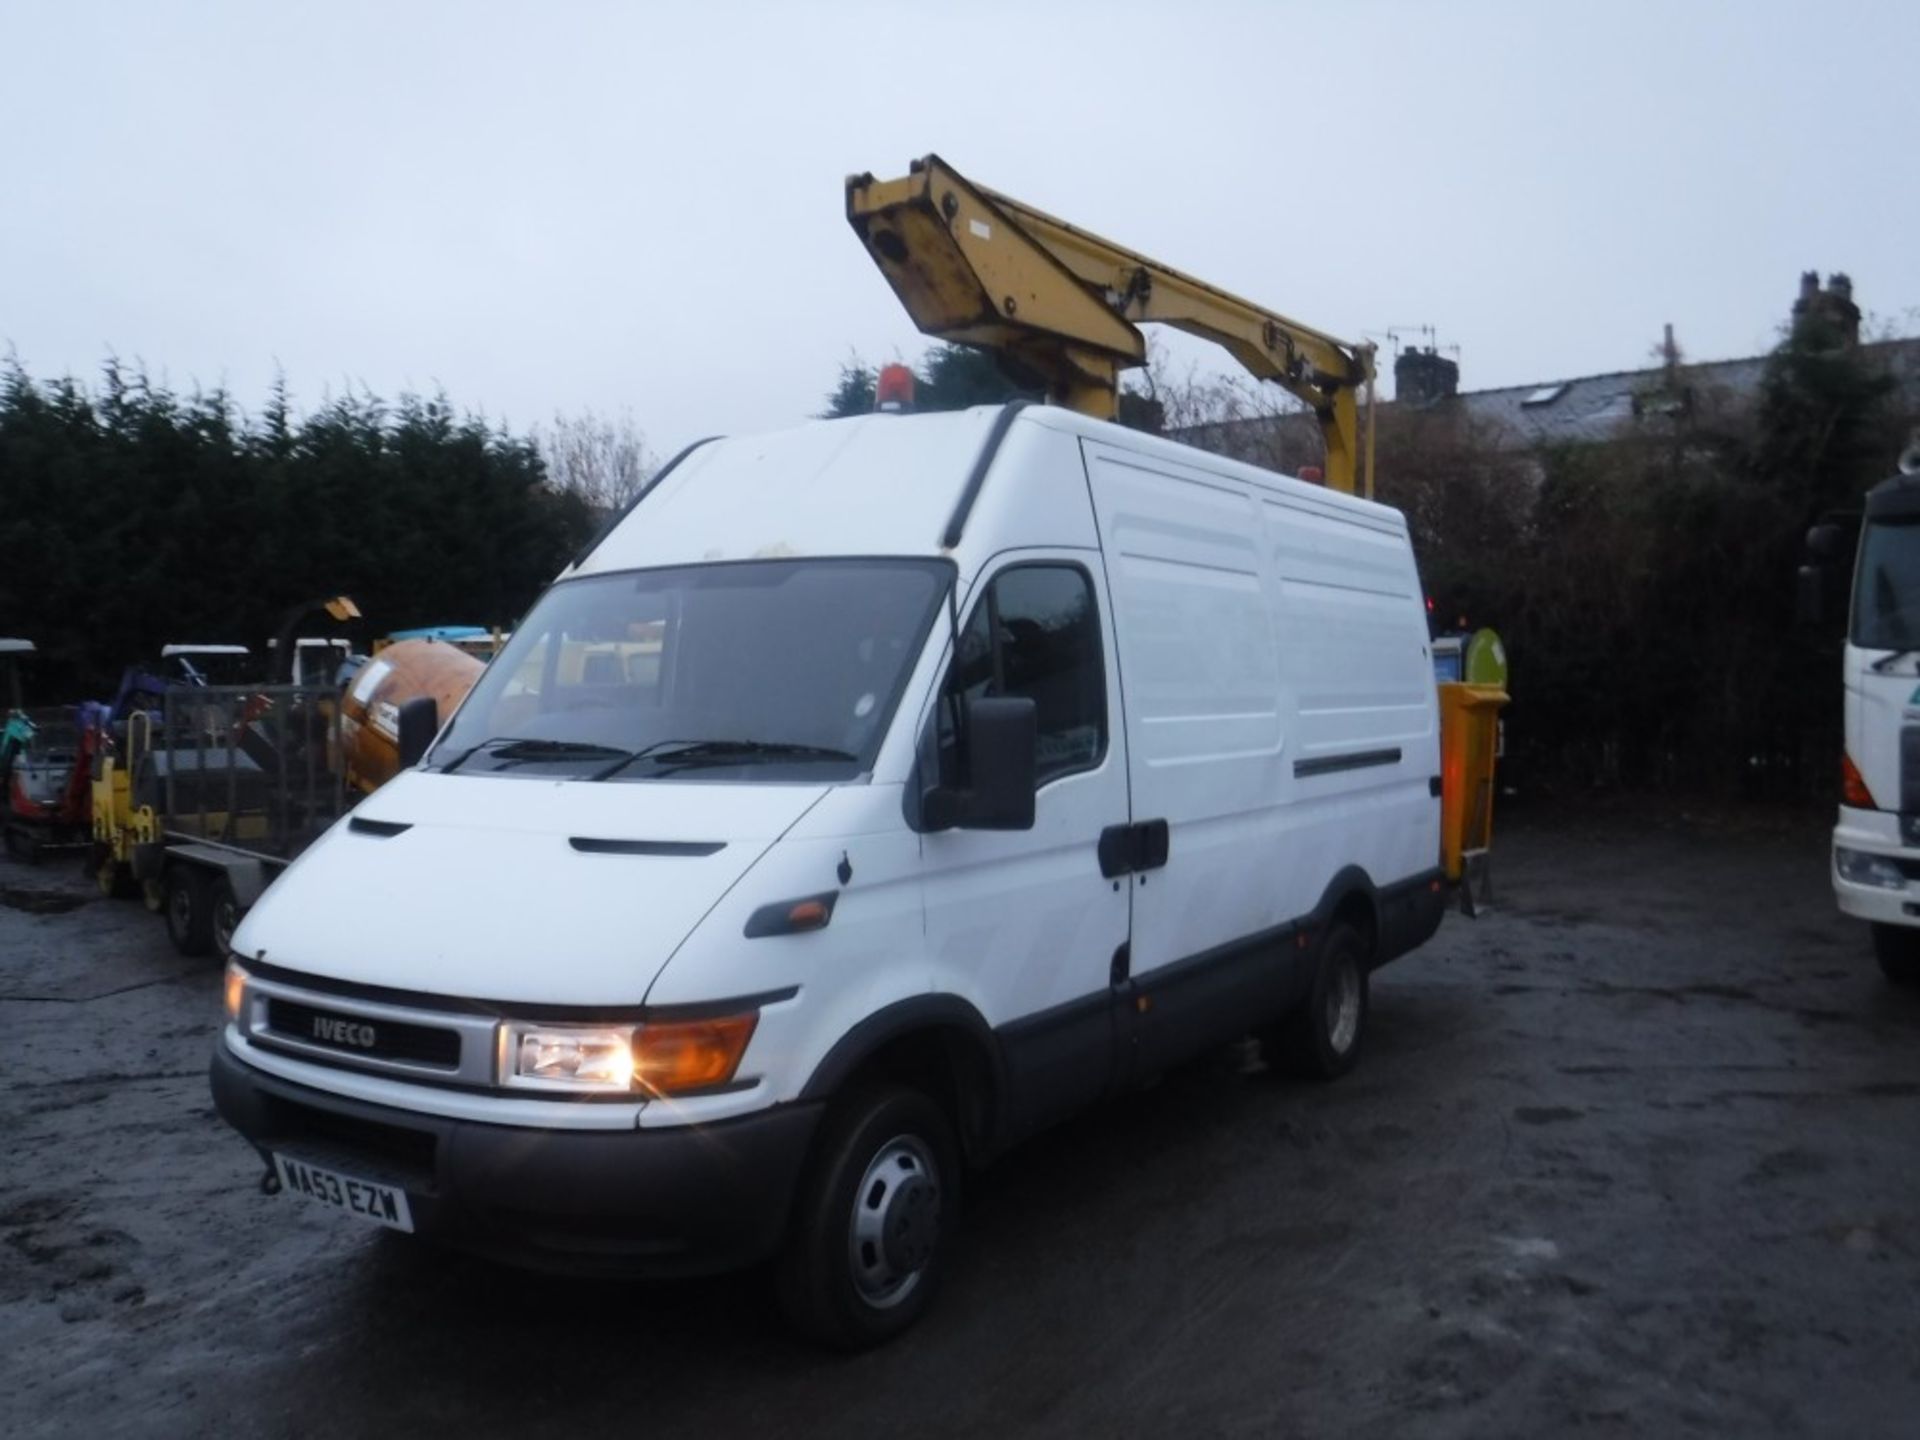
[370, 710]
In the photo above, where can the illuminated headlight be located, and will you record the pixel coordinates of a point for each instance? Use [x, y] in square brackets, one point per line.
[236, 990]
[660, 1057]
[1862, 868]
[568, 1057]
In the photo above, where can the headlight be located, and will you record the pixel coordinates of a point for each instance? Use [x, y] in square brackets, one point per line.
[1864, 869]
[670, 1057]
[568, 1057]
[236, 990]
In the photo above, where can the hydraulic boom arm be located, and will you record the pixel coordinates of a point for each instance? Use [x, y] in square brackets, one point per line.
[978, 268]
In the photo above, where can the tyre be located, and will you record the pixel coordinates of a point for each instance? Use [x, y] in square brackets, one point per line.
[1321, 1039]
[23, 845]
[224, 919]
[1897, 948]
[874, 1219]
[189, 909]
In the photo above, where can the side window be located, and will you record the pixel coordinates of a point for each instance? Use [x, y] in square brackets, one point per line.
[1035, 633]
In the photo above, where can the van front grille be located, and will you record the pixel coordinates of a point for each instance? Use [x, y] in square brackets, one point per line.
[375, 1037]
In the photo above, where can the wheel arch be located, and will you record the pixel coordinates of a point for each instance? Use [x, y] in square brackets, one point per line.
[1351, 896]
[940, 1044]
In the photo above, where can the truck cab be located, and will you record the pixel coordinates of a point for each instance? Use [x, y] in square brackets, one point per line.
[1876, 840]
[870, 797]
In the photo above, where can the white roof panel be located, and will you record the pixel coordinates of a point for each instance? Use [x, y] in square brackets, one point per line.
[894, 482]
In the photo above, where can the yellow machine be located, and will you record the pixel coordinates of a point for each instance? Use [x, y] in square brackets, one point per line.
[370, 712]
[978, 268]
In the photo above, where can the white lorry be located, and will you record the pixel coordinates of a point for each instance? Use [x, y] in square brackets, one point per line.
[869, 797]
[1876, 841]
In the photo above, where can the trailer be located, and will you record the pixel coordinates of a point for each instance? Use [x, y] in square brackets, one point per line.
[202, 801]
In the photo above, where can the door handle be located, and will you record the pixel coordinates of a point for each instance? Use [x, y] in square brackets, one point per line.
[1125, 849]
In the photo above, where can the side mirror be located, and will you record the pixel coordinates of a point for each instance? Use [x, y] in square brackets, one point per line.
[419, 722]
[1823, 541]
[1001, 738]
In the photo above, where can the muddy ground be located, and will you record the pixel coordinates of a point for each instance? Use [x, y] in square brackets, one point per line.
[1639, 1153]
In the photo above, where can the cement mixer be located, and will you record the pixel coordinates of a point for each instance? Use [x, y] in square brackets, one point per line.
[369, 712]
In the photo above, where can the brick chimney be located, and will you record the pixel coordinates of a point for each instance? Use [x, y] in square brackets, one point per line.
[1422, 378]
[1832, 306]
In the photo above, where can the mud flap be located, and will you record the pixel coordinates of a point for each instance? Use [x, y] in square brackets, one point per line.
[1476, 883]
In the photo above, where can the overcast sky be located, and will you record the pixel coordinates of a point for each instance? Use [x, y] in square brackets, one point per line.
[561, 206]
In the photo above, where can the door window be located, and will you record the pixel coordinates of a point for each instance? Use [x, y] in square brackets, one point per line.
[1035, 634]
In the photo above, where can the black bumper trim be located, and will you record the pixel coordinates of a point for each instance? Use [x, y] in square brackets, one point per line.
[688, 1200]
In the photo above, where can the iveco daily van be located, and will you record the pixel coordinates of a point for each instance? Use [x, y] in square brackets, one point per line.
[870, 796]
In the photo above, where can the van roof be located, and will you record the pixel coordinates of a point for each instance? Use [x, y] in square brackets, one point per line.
[869, 485]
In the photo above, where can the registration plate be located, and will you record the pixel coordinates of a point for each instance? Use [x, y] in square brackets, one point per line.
[383, 1204]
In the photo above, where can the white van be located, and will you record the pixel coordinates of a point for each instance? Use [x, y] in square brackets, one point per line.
[870, 796]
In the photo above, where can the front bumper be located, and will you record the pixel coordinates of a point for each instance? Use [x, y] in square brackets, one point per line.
[686, 1200]
[1875, 832]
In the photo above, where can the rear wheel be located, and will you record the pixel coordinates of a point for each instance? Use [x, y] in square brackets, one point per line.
[1897, 948]
[875, 1219]
[1321, 1040]
[189, 909]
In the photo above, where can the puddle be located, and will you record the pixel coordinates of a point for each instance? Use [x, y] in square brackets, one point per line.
[40, 902]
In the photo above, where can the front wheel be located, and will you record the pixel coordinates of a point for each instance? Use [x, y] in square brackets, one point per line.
[1321, 1039]
[875, 1219]
[1897, 948]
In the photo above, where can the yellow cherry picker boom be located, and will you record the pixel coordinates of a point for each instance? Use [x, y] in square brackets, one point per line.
[975, 267]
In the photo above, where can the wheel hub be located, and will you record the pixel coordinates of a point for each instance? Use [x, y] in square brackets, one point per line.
[896, 1221]
[1343, 1007]
[911, 1223]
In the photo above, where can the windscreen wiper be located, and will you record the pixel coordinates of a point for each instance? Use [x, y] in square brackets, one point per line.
[689, 754]
[522, 751]
[1881, 666]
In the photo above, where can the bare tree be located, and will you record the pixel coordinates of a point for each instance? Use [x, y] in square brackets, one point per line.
[602, 459]
[1232, 414]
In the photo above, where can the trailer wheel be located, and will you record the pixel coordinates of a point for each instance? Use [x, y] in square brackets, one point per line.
[1321, 1039]
[1897, 948]
[225, 919]
[189, 909]
[875, 1218]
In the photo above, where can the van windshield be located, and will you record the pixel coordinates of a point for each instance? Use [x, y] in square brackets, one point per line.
[1886, 597]
[765, 669]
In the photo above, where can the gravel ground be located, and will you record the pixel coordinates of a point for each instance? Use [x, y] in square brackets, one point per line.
[1638, 1153]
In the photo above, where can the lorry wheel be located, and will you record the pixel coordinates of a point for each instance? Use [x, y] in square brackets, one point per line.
[189, 909]
[1897, 948]
[875, 1219]
[224, 920]
[1321, 1039]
